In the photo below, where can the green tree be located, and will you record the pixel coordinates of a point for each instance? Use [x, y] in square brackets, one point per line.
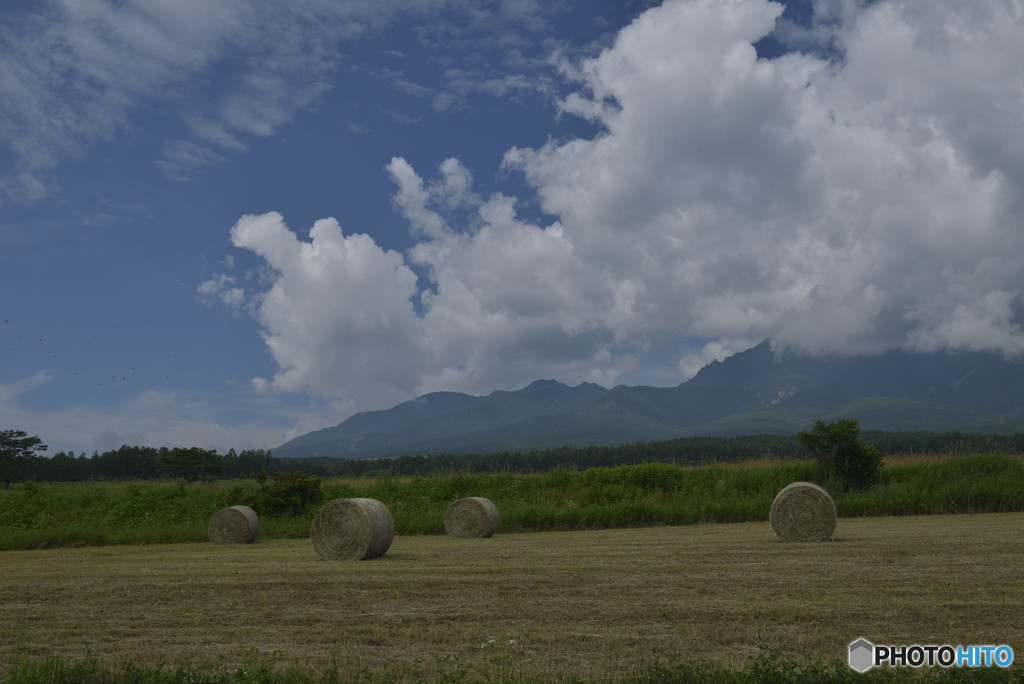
[191, 464]
[839, 451]
[17, 451]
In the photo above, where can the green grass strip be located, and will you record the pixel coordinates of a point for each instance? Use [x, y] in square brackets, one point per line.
[770, 667]
[142, 512]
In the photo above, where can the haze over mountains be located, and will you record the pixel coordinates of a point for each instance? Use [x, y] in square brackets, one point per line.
[755, 391]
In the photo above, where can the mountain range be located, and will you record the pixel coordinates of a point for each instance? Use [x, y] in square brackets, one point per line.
[756, 391]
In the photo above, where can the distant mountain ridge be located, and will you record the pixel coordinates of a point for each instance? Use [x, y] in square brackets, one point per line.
[755, 391]
[440, 419]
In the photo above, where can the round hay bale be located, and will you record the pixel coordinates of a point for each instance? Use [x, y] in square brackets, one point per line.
[234, 525]
[472, 517]
[352, 529]
[803, 511]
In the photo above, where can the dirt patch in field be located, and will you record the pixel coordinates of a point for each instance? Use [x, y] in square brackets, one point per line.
[582, 604]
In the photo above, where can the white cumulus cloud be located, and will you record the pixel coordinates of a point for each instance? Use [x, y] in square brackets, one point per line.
[339, 311]
[864, 200]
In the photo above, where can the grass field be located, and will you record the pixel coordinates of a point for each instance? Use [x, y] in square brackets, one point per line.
[45, 515]
[577, 605]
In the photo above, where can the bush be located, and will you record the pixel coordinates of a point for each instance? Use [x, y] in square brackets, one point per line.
[287, 494]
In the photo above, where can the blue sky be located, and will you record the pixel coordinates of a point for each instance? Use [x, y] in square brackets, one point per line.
[225, 224]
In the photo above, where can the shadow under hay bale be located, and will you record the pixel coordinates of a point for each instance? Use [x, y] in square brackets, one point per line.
[472, 517]
[803, 512]
[352, 529]
[234, 525]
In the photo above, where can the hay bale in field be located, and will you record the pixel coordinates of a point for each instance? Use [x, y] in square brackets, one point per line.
[234, 525]
[472, 517]
[352, 529]
[803, 511]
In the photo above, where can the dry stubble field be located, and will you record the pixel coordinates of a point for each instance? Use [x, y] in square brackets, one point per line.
[581, 604]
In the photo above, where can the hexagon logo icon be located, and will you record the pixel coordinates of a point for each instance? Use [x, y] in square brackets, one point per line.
[862, 655]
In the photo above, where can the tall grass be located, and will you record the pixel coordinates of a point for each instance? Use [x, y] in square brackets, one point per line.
[970, 484]
[40, 516]
[45, 515]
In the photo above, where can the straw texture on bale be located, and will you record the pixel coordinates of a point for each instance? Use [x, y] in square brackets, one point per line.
[234, 525]
[352, 529]
[803, 511]
[472, 517]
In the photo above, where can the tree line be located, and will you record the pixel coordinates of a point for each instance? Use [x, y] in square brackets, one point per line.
[140, 462]
[147, 463]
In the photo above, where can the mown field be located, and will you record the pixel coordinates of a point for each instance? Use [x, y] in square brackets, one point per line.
[644, 604]
[641, 573]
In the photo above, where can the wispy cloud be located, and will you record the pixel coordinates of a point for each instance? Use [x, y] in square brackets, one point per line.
[159, 418]
[181, 158]
[10, 391]
[75, 74]
[355, 128]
